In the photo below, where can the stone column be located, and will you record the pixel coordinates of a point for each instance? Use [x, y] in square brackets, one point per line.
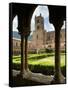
[22, 55]
[58, 78]
[26, 61]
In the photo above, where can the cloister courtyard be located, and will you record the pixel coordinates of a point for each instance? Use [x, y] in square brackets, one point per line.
[42, 63]
[43, 68]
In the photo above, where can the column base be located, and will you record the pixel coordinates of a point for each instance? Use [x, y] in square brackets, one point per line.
[58, 79]
[25, 73]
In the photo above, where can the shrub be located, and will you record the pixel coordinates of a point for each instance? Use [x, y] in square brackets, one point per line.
[42, 51]
[63, 51]
[49, 50]
[32, 51]
[47, 70]
[40, 56]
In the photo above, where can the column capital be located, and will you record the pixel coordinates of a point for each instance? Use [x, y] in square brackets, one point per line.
[58, 24]
[25, 32]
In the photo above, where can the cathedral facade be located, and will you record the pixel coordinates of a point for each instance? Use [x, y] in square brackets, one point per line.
[42, 39]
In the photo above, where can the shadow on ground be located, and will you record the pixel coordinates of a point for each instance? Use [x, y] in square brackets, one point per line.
[18, 81]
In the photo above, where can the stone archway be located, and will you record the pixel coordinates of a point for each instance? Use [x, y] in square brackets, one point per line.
[56, 17]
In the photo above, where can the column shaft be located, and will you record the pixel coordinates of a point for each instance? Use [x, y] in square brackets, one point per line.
[26, 61]
[22, 55]
[57, 55]
[58, 75]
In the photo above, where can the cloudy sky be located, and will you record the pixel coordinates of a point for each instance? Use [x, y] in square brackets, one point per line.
[45, 13]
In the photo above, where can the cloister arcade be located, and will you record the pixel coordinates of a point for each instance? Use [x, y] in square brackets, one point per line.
[57, 14]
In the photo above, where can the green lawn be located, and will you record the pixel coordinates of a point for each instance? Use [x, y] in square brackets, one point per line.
[48, 61]
[40, 59]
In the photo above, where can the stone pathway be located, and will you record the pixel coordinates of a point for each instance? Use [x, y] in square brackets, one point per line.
[37, 77]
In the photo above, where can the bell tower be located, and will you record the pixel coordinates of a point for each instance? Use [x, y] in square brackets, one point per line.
[39, 22]
[39, 34]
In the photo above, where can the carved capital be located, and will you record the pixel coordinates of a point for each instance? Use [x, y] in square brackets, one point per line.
[25, 31]
[58, 24]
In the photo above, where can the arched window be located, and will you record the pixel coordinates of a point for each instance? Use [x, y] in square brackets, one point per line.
[16, 44]
[37, 36]
[38, 21]
[38, 27]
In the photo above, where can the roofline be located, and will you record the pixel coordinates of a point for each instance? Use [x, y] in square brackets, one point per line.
[16, 39]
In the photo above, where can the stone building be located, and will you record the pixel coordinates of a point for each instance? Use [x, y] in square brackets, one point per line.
[41, 39]
[16, 46]
[39, 35]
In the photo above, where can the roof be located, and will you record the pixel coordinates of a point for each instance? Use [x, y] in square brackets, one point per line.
[16, 39]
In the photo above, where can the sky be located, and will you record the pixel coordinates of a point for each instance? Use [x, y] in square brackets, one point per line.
[45, 14]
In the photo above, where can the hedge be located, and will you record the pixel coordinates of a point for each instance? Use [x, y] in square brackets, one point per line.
[47, 70]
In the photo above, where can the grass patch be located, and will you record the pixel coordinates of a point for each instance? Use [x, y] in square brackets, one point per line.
[48, 61]
[41, 59]
[41, 63]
